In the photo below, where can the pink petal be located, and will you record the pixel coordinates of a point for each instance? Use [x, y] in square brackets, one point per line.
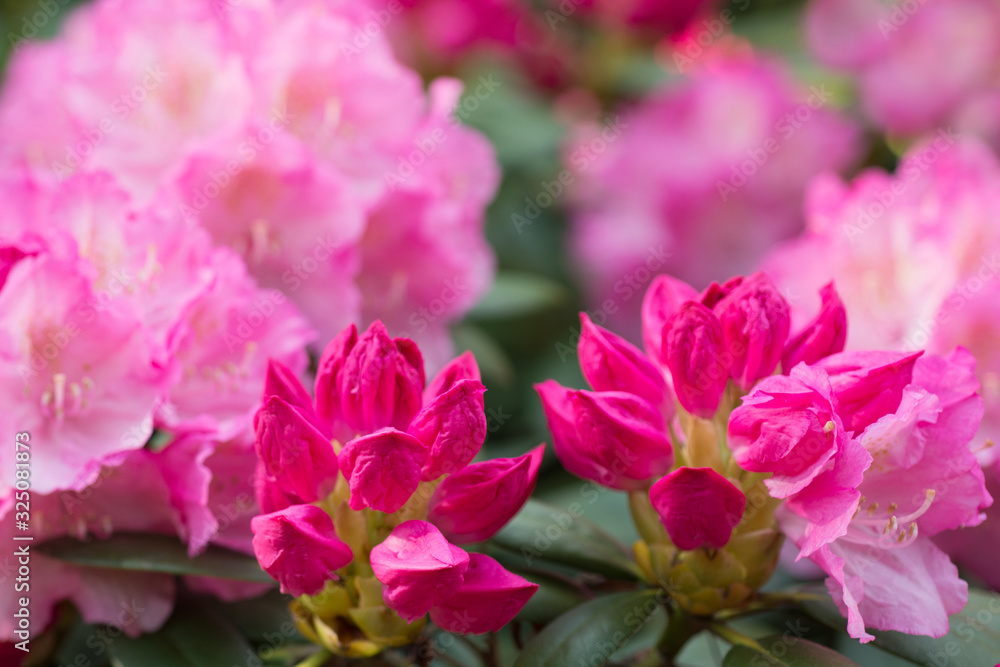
[382, 469]
[452, 428]
[489, 598]
[698, 507]
[476, 502]
[418, 568]
[299, 547]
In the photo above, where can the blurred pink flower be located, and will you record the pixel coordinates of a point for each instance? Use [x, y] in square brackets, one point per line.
[321, 161]
[699, 179]
[919, 65]
[916, 258]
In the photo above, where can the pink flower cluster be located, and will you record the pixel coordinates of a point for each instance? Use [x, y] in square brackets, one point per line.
[118, 318]
[700, 179]
[396, 435]
[311, 152]
[916, 258]
[195, 188]
[868, 451]
[918, 65]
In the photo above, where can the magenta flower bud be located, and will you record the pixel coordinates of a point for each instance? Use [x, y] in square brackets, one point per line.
[295, 454]
[418, 568]
[715, 292]
[613, 438]
[868, 385]
[462, 367]
[476, 502]
[299, 548]
[610, 363]
[382, 469]
[328, 376]
[694, 351]
[452, 428]
[371, 384]
[281, 381]
[825, 335]
[698, 506]
[663, 297]
[755, 321]
[489, 598]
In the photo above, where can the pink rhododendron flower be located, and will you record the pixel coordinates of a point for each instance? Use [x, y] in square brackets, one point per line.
[83, 383]
[915, 257]
[900, 475]
[859, 457]
[699, 179]
[324, 165]
[916, 70]
[377, 447]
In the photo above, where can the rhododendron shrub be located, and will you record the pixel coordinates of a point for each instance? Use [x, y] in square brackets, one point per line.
[736, 429]
[368, 489]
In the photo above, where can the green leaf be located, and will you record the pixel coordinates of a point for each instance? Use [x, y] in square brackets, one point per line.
[518, 295]
[590, 632]
[155, 553]
[786, 651]
[543, 532]
[974, 638]
[191, 638]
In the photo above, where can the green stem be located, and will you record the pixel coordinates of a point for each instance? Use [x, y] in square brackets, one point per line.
[680, 629]
[733, 637]
[317, 659]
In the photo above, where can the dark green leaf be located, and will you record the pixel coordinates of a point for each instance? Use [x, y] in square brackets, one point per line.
[786, 651]
[591, 633]
[191, 638]
[543, 532]
[974, 638]
[155, 553]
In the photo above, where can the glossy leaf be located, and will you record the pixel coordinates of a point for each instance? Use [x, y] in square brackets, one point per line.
[542, 532]
[155, 553]
[590, 632]
[786, 651]
[191, 638]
